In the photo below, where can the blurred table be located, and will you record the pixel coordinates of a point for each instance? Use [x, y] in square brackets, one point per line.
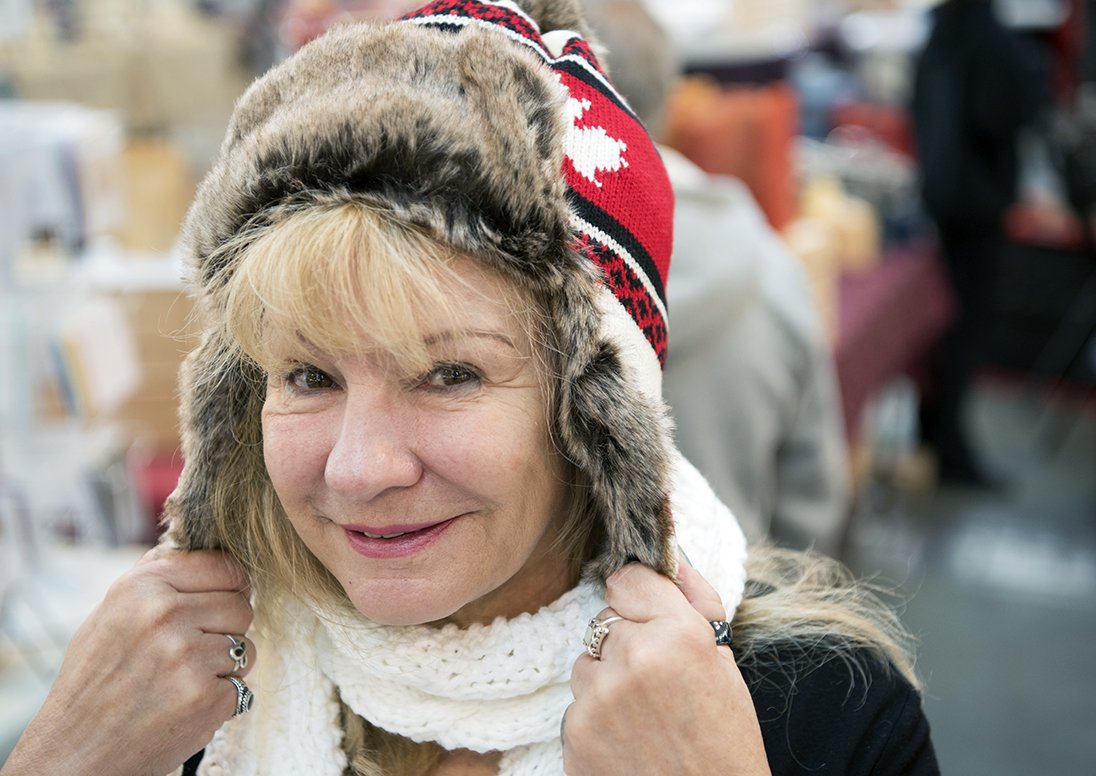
[890, 319]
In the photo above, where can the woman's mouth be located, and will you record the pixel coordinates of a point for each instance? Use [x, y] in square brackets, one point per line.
[395, 541]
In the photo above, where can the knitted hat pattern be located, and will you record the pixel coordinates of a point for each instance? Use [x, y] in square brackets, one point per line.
[493, 128]
[616, 184]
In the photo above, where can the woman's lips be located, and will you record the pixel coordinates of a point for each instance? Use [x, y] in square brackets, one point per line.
[394, 541]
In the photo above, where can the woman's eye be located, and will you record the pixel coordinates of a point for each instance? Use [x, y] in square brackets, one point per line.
[450, 375]
[309, 378]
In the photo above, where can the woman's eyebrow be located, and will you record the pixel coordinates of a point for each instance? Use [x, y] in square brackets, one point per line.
[450, 335]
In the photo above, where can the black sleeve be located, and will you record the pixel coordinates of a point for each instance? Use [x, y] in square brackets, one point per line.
[821, 713]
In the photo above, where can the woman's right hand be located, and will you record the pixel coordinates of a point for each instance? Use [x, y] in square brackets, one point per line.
[142, 686]
[664, 698]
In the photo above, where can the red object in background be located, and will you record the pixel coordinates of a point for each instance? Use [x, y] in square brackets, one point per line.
[1068, 43]
[1047, 227]
[887, 123]
[156, 475]
[744, 131]
[891, 320]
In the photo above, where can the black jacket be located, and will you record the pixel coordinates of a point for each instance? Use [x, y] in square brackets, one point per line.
[973, 91]
[821, 714]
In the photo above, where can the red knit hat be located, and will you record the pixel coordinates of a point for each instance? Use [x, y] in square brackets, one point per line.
[620, 196]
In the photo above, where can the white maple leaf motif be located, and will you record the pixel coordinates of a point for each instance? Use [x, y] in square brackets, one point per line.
[591, 149]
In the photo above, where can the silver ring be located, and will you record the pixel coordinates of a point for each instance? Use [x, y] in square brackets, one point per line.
[238, 652]
[722, 630]
[244, 696]
[596, 631]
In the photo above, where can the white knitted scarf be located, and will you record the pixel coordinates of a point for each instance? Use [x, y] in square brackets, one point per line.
[497, 687]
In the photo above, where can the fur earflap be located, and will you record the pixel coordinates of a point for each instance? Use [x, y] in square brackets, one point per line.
[454, 120]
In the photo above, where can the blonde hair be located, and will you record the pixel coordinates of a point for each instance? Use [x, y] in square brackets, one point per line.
[326, 274]
[815, 609]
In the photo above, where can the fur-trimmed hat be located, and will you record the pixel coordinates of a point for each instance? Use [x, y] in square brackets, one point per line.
[492, 127]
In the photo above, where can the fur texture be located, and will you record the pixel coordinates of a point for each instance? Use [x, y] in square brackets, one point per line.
[460, 134]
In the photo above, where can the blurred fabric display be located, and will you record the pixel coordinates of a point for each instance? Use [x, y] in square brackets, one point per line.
[791, 135]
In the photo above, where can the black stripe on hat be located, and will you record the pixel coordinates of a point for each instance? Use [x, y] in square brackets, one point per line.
[595, 216]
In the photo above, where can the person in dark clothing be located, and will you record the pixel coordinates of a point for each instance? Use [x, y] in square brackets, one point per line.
[972, 95]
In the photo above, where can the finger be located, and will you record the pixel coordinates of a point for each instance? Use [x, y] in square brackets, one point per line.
[639, 593]
[197, 571]
[699, 592]
[582, 675]
[218, 612]
[563, 724]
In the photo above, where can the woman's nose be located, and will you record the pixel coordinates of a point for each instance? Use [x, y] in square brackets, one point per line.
[373, 451]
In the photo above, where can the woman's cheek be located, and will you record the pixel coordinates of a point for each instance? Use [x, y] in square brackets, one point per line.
[292, 452]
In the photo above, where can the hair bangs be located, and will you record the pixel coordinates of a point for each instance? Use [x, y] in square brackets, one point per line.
[338, 279]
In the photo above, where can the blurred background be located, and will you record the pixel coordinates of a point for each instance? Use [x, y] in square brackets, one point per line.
[810, 120]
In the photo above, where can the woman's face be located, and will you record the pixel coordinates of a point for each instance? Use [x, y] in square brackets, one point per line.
[433, 497]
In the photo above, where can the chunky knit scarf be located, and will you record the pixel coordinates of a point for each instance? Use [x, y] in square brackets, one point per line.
[497, 687]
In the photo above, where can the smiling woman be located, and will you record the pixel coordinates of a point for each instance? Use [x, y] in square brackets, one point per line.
[415, 466]
[405, 424]
[424, 439]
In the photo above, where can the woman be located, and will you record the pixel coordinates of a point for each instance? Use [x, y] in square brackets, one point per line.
[423, 434]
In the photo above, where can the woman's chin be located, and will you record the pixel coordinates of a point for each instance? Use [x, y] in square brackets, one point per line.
[405, 618]
[390, 609]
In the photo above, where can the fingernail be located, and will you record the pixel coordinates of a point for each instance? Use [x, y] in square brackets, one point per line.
[683, 556]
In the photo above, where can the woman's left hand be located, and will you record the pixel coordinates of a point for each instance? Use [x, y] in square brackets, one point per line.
[663, 698]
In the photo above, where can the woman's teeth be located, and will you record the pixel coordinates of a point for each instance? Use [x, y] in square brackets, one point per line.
[381, 536]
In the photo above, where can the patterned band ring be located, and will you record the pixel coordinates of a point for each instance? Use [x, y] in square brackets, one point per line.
[596, 631]
[244, 697]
